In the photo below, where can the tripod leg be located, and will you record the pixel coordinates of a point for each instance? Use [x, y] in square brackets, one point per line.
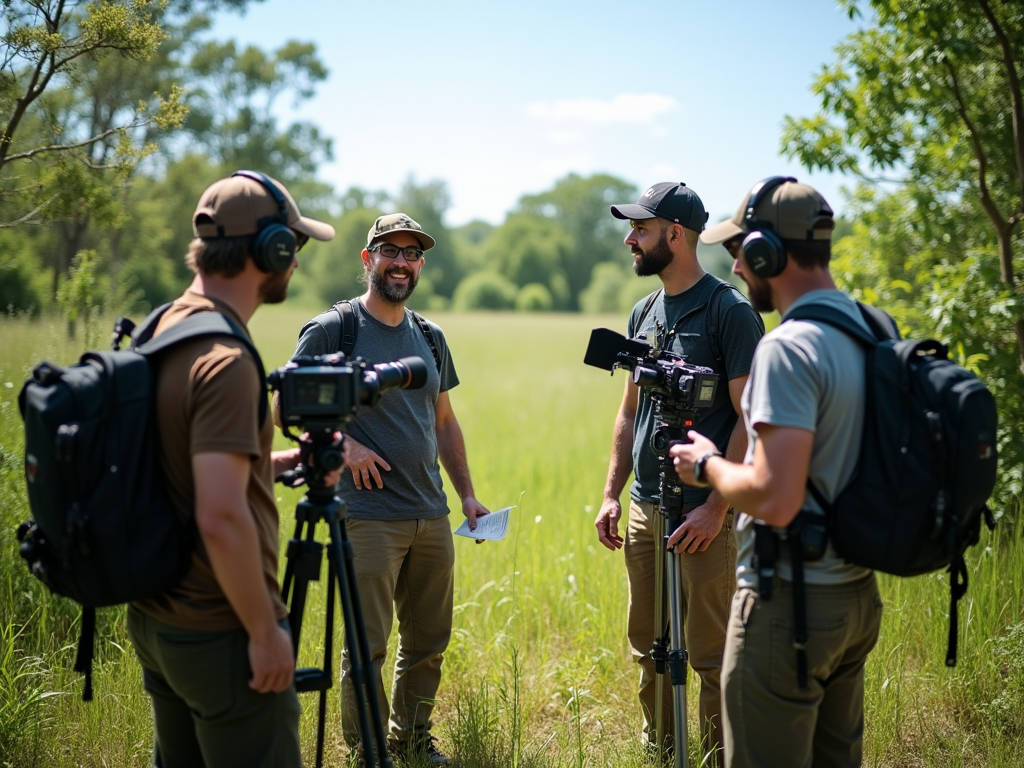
[677, 657]
[659, 651]
[360, 667]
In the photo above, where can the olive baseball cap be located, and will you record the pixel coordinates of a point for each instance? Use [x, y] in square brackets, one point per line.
[240, 205]
[398, 222]
[791, 210]
[667, 200]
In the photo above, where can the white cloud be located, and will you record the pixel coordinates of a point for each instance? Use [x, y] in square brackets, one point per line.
[564, 137]
[623, 108]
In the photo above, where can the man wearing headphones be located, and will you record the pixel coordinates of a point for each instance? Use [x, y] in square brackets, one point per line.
[398, 512]
[710, 323]
[216, 652]
[792, 697]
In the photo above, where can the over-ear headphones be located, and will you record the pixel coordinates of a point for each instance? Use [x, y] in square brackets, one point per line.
[275, 244]
[763, 249]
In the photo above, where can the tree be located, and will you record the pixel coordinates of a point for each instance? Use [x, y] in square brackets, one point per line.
[528, 248]
[928, 98]
[932, 92]
[579, 207]
[45, 48]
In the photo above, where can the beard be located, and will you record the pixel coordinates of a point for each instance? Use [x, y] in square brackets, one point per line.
[389, 293]
[759, 294]
[274, 288]
[654, 260]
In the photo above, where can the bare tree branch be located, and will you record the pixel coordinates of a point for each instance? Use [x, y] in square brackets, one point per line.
[28, 218]
[65, 147]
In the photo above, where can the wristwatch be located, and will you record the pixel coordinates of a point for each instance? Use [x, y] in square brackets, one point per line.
[699, 465]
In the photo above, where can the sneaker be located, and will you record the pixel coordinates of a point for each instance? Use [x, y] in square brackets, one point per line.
[420, 750]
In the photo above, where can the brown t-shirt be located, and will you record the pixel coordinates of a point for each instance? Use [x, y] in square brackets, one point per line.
[207, 401]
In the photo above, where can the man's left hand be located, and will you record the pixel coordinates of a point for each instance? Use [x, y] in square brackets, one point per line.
[473, 510]
[699, 529]
[685, 455]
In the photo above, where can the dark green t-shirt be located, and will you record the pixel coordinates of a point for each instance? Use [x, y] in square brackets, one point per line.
[738, 329]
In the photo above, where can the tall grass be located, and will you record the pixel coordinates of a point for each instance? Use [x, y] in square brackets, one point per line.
[538, 674]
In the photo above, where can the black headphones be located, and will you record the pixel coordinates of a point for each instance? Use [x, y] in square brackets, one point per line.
[275, 244]
[763, 249]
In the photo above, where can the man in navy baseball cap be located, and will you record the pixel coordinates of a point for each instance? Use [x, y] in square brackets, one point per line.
[714, 326]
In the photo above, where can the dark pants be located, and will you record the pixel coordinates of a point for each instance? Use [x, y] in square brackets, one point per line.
[204, 711]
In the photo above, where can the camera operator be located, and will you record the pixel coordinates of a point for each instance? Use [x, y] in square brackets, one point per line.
[215, 651]
[803, 407]
[397, 510]
[665, 223]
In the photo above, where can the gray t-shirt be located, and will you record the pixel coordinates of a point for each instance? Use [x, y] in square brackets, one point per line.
[738, 329]
[809, 376]
[400, 427]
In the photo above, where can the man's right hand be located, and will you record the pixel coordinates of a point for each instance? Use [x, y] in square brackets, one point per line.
[607, 524]
[363, 463]
[272, 661]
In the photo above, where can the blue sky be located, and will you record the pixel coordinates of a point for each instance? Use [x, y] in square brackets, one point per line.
[502, 99]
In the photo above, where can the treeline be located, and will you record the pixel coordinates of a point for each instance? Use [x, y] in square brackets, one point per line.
[119, 113]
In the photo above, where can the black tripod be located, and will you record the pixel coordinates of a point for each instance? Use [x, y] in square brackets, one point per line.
[669, 649]
[303, 564]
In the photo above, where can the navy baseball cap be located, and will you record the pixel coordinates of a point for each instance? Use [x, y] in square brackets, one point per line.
[667, 200]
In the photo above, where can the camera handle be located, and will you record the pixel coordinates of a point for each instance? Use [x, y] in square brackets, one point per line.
[303, 558]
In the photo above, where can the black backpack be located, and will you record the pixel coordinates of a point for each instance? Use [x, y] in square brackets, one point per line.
[927, 462]
[346, 338]
[103, 530]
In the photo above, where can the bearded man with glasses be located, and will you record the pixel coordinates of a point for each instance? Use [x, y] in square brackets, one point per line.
[397, 509]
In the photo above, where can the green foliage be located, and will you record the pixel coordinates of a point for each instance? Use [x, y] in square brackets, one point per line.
[334, 271]
[929, 92]
[485, 290]
[534, 297]
[614, 288]
[578, 207]
[78, 297]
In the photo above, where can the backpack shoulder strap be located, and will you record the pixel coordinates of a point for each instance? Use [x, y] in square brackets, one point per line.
[711, 321]
[821, 313]
[145, 331]
[346, 340]
[879, 321]
[648, 306]
[428, 335]
[202, 324]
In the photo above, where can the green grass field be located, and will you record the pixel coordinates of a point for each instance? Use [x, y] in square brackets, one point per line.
[538, 672]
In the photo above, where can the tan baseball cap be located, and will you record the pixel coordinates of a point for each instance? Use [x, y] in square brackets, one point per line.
[398, 222]
[792, 210]
[240, 204]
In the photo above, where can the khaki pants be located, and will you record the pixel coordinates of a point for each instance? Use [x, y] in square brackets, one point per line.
[403, 566]
[708, 583]
[769, 720]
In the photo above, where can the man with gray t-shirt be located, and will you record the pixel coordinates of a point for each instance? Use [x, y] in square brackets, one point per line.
[397, 509]
[803, 407]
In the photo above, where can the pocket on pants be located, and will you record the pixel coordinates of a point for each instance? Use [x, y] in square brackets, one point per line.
[202, 670]
[825, 643]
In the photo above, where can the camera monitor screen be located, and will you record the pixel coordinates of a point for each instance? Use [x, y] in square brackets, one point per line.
[313, 392]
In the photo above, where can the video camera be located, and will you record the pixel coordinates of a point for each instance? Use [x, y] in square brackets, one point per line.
[320, 395]
[666, 373]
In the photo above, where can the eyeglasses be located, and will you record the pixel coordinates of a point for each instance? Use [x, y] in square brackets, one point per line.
[300, 240]
[411, 254]
[734, 246]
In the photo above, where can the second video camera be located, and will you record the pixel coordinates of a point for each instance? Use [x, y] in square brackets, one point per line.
[666, 373]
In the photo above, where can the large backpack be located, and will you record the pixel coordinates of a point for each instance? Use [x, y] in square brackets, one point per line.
[927, 462]
[103, 529]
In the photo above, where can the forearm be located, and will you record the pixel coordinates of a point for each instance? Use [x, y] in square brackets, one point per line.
[620, 465]
[744, 487]
[284, 460]
[451, 450]
[735, 450]
[232, 544]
